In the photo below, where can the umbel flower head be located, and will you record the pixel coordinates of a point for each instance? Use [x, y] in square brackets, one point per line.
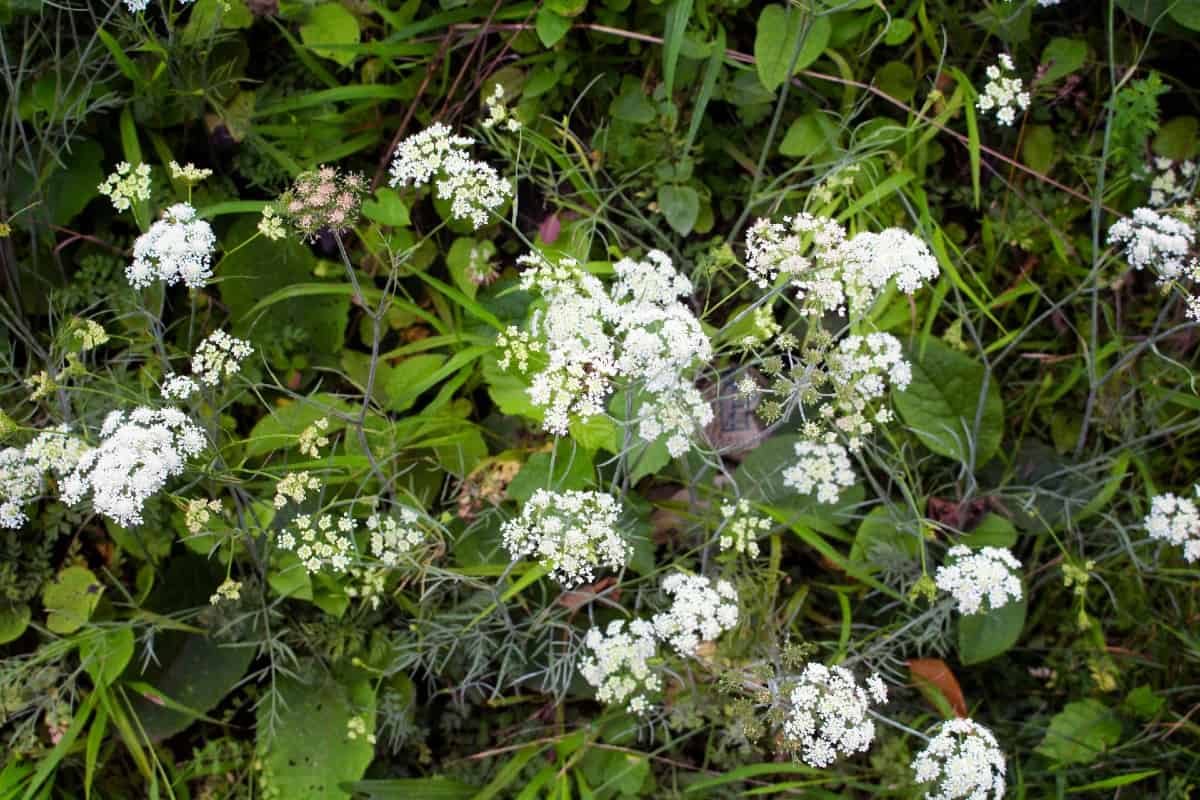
[473, 188]
[636, 332]
[571, 534]
[219, 358]
[139, 451]
[835, 273]
[54, 450]
[127, 185]
[1175, 520]
[962, 762]
[1003, 93]
[973, 577]
[1154, 241]
[827, 717]
[324, 199]
[701, 610]
[618, 664]
[820, 468]
[177, 248]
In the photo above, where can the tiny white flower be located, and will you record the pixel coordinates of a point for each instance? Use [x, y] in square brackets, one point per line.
[828, 714]
[570, 533]
[962, 762]
[701, 610]
[1175, 520]
[618, 664]
[973, 577]
[177, 248]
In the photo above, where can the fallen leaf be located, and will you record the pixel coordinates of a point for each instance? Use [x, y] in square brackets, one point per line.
[932, 674]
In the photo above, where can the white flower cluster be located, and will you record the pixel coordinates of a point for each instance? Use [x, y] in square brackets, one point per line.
[229, 590]
[827, 716]
[741, 528]
[177, 247]
[619, 664]
[823, 468]
[570, 533]
[1173, 183]
[198, 513]
[636, 331]
[126, 186]
[834, 272]
[963, 762]
[860, 370]
[971, 577]
[320, 540]
[700, 611]
[314, 437]
[1155, 241]
[20, 483]
[1175, 519]
[1003, 93]
[189, 173]
[295, 487]
[473, 188]
[498, 113]
[392, 539]
[139, 451]
[136, 6]
[178, 387]
[219, 357]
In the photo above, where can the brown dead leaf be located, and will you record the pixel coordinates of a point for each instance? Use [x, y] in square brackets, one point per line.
[585, 594]
[933, 675]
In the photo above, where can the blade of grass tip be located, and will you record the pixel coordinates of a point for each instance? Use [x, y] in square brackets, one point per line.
[532, 574]
[707, 85]
[509, 772]
[676, 25]
[973, 145]
[124, 63]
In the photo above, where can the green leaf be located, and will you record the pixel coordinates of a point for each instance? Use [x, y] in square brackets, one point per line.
[386, 208]
[106, 653]
[898, 32]
[985, 635]
[465, 257]
[884, 535]
[263, 267]
[808, 135]
[70, 599]
[551, 27]
[1186, 13]
[993, 531]
[1037, 151]
[1080, 733]
[776, 38]
[1176, 139]
[331, 24]
[310, 754]
[572, 470]
[14, 619]
[632, 105]
[436, 788]
[681, 207]
[1115, 781]
[941, 401]
[408, 379]
[1062, 56]
[675, 27]
[282, 425]
[896, 78]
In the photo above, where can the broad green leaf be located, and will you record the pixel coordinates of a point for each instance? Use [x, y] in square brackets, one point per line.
[281, 427]
[885, 535]
[106, 653]
[632, 105]
[310, 754]
[807, 135]
[551, 26]
[896, 78]
[469, 257]
[985, 635]
[1176, 139]
[331, 24]
[407, 380]
[898, 32]
[941, 401]
[681, 206]
[572, 470]
[778, 34]
[435, 788]
[1186, 13]
[70, 599]
[1038, 150]
[992, 531]
[14, 619]
[1062, 56]
[386, 208]
[1080, 733]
